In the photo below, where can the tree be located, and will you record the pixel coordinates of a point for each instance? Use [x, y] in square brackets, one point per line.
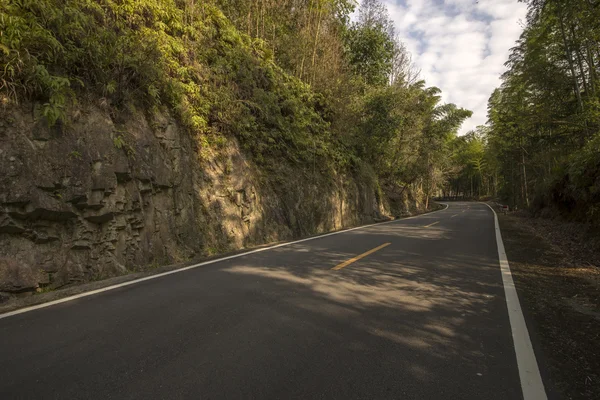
[546, 112]
[371, 45]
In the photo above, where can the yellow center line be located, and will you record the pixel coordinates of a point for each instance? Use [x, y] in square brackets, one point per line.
[352, 260]
[427, 226]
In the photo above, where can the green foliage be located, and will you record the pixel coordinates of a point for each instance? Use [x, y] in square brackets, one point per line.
[473, 172]
[75, 155]
[575, 188]
[544, 119]
[127, 51]
[370, 51]
[120, 143]
[371, 44]
[298, 85]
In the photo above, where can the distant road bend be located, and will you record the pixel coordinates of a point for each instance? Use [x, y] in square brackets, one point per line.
[412, 309]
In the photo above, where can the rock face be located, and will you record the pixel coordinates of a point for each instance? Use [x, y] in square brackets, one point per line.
[105, 195]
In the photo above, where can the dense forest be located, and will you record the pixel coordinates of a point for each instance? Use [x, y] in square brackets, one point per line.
[294, 81]
[541, 147]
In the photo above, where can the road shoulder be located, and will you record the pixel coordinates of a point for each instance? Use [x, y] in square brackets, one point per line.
[560, 294]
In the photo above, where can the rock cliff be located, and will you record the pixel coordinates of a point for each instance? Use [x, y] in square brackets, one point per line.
[107, 194]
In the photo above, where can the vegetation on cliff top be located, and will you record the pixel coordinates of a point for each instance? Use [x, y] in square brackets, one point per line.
[295, 82]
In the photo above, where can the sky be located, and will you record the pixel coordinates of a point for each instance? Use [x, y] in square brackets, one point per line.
[460, 46]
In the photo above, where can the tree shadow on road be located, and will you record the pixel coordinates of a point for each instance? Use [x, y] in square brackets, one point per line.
[430, 326]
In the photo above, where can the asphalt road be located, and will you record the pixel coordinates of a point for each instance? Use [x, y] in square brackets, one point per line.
[423, 317]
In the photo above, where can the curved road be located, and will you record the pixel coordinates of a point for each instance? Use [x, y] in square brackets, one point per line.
[412, 309]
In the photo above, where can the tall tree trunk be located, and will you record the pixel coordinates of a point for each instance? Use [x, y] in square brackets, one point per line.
[249, 21]
[471, 192]
[592, 68]
[580, 64]
[316, 43]
[262, 14]
[307, 26]
[525, 191]
[571, 62]
[257, 19]
[513, 191]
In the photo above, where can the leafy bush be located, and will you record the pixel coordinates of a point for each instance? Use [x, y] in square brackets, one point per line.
[159, 52]
[575, 187]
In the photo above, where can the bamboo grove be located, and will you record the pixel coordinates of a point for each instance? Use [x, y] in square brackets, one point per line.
[541, 147]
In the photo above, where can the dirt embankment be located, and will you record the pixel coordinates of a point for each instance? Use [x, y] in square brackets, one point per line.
[556, 269]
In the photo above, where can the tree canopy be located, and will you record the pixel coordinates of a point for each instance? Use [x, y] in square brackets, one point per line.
[295, 81]
[542, 140]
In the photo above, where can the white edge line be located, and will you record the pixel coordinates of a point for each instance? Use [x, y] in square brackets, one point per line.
[529, 372]
[175, 271]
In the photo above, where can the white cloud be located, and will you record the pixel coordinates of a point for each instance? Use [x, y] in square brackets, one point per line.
[460, 45]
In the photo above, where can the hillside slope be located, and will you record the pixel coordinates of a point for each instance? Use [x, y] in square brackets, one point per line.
[144, 132]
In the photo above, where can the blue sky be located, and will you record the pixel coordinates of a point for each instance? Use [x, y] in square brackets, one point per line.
[460, 46]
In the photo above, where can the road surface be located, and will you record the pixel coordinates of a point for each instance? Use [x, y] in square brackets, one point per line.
[413, 309]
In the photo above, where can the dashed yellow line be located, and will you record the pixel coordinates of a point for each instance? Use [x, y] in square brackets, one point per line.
[352, 260]
[427, 226]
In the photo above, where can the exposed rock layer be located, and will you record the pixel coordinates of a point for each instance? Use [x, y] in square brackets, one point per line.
[106, 195]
